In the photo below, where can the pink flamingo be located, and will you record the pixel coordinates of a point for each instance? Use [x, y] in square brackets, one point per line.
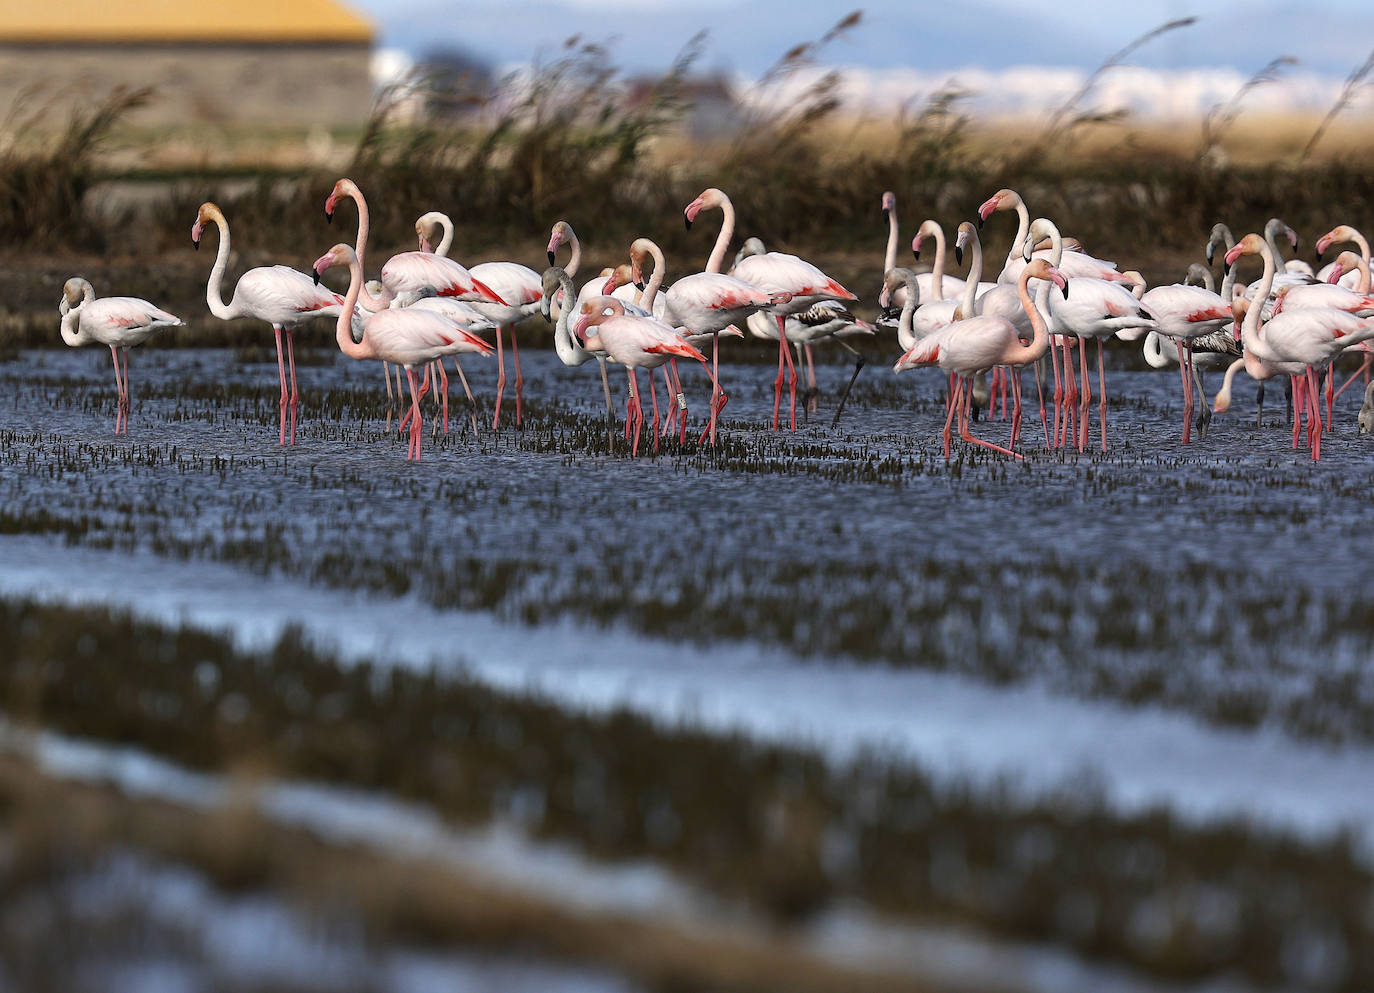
[636, 343]
[976, 344]
[1072, 264]
[1184, 314]
[794, 283]
[404, 336]
[119, 322]
[408, 276]
[1310, 338]
[1343, 273]
[283, 297]
[519, 285]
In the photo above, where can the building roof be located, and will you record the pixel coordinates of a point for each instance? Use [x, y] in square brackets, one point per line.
[113, 21]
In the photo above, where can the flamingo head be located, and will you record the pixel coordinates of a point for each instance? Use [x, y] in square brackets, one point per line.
[889, 202]
[1275, 227]
[1345, 262]
[967, 232]
[1220, 235]
[710, 197]
[343, 188]
[1041, 269]
[562, 231]
[1251, 244]
[640, 251]
[552, 281]
[1340, 232]
[594, 311]
[894, 278]
[429, 230]
[1239, 308]
[1041, 230]
[340, 254]
[621, 275]
[1003, 199]
[208, 214]
[74, 291]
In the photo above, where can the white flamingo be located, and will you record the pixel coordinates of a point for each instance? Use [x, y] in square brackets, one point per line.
[119, 322]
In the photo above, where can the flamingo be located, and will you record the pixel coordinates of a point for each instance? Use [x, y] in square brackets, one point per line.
[825, 321]
[1309, 338]
[473, 320]
[1184, 314]
[795, 284]
[119, 322]
[1346, 277]
[408, 276]
[283, 297]
[637, 343]
[1072, 264]
[403, 336]
[935, 285]
[976, 344]
[520, 286]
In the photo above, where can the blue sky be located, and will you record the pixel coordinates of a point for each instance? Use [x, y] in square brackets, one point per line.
[747, 35]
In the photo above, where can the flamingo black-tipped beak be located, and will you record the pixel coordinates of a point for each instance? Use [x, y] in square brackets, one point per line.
[1319, 255]
[639, 285]
[328, 216]
[687, 221]
[980, 222]
[195, 243]
[916, 254]
[1211, 253]
[1066, 289]
[316, 274]
[959, 254]
[552, 257]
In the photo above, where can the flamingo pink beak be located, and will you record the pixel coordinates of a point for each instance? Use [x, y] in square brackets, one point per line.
[1234, 254]
[916, 247]
[987, 208]
[693, 209]
[885, 296]
[554, 242]
[582, 324]
[324, 262]
[329, 204]
[424, 244]
[1337, 271]
[196, 230]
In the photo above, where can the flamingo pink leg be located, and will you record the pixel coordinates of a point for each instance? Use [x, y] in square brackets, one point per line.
[1040, 394]
[1362, 370]
[424, 392]
[634, 411]
[653, 400]
[281, 376]
[955, 401]
[500, 381]
[669, 415]
[1314, 424]
[777, 383]
[1015, 376]
[519, 380]
[968, 435]
[1330, 395]
[1187, 390]
[443, 380]
[413, 451]
[295, 400]
[1058, 397]
[120, 422]
[716, 391]
[1085, 395]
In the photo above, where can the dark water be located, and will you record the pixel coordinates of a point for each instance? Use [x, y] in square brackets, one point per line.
[1223, 581]
[1225, 577]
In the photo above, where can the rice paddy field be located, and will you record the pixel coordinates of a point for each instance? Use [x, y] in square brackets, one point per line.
[807, 711]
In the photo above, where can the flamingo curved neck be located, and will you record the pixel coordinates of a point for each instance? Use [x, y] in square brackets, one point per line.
[890, 255]
[1249, 329]
[1271, 238]
[975, 273]
[567, 347]
[372, 303]
[1040, 343]
[937, 270]
[1022, 229]
[1363, 245]
[446, 242]
[214, 290]
[576, 260]
[71, 334]
[727, 231]
[913, 293]
[646, 299]
[343, 329]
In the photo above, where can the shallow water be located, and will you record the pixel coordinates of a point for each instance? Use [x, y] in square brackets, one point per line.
[1178, 626]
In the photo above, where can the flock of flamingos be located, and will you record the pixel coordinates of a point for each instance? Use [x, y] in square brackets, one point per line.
[1049, 297]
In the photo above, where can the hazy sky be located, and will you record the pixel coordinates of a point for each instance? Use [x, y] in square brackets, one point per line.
[748, 35]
